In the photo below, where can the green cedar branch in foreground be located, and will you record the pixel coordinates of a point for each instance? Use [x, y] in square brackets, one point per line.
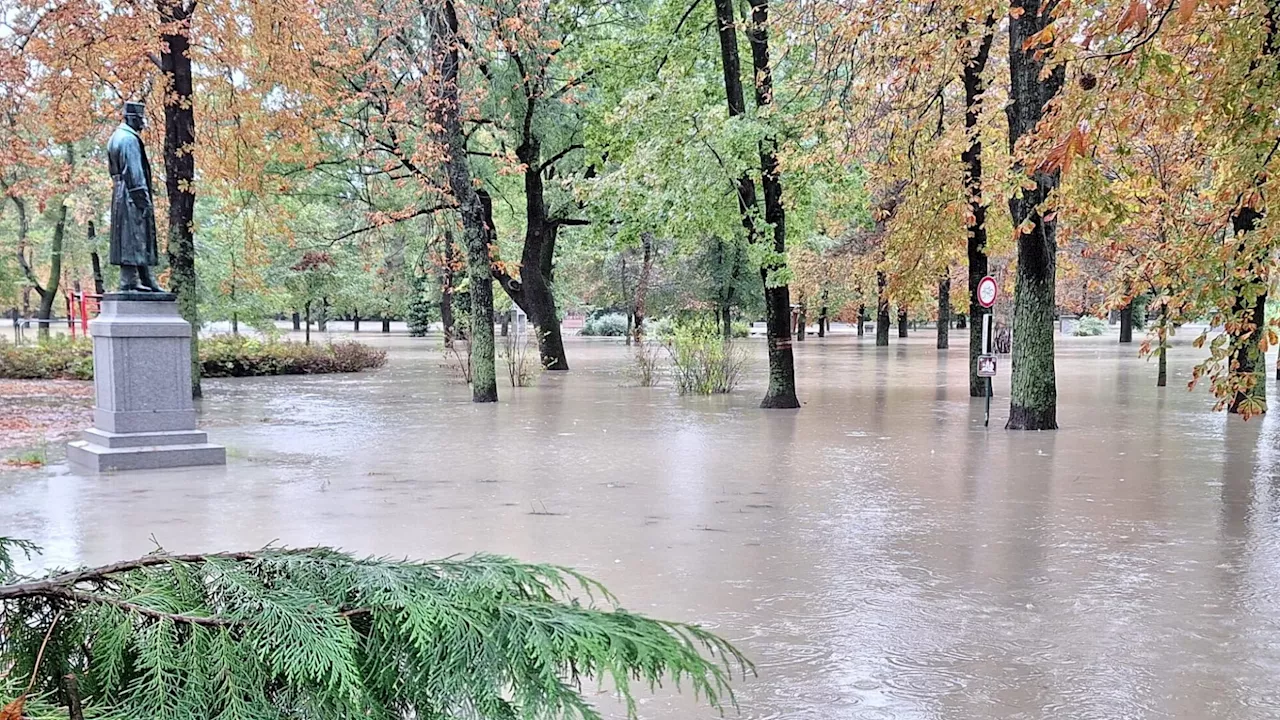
[317, 633]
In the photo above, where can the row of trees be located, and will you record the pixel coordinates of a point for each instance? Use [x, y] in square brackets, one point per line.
[651, 155]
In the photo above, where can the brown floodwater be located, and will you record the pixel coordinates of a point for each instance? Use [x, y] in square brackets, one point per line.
[878, 554]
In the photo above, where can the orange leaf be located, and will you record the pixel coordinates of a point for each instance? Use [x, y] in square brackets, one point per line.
[13, 711]
[1016, 12]
[1186, 8]
[1134, 15]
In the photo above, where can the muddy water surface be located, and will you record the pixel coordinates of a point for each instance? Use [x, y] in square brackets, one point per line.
[879, 554]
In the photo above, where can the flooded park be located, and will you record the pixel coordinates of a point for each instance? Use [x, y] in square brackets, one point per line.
[878, 554]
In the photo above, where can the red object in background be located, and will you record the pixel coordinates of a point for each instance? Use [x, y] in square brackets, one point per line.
[81, 307]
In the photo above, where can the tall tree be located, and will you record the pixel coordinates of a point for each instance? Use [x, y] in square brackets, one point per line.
[180, 166]
[971, 157]
[781, 392]
[1032, 85]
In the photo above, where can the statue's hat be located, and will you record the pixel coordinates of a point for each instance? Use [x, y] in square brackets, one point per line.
[134, 108]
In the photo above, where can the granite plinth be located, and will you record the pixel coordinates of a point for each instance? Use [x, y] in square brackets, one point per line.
[143, 416]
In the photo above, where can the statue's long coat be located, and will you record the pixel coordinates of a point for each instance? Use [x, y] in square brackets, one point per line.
[133, 219]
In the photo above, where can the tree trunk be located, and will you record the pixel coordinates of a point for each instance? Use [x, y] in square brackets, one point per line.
[726, 322]
[782, 369]
[944, 312]
[307, 310]
[1126, 323]
[180, 167]
[971, 157]
[822, 316]
[1162, 376]
[802, 323]
[1250, 307]
[506, 323]
[235, 323]
[781, 392]
[355, 320]
[962, 323]
[642, 285]
[322, 323]
[862, 320]
[91, 235]
[902, 321]
[297, 321]
[473, 208]
[386, 324]
[1034, 397]
[49, 293]
[882, 310]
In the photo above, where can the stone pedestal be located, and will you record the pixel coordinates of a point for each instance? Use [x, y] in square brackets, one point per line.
[143, 417]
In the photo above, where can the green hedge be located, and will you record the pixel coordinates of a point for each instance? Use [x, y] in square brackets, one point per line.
[220, 356]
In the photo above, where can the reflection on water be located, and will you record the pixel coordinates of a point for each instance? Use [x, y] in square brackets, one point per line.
[879, 554]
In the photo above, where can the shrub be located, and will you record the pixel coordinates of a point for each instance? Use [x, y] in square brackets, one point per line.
[1090, 326]
[240, 356]
[646, 365]
[418, 317]
[705, 363]
[659, 328]
[606, 325]
[739, 329]
[520, 355]
[57, 358]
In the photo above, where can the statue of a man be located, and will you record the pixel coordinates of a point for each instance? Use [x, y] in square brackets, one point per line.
[133, 218]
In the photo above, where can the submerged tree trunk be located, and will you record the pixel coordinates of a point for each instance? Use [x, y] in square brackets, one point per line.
[180, 167]
[823, 318]
[902, 321]
[781, 391]
[1248, 361]
[944, 312]
[307, 310]
[862, 320]
[1126, 323]
[1162, 376]
[782, 370]
[1034, 398]
[802, 323]
[322, 323]
[882, 310]
[386, 324]
[971, 157]
[297, 320]
[355, 320]
[642, 285]
[472, 207]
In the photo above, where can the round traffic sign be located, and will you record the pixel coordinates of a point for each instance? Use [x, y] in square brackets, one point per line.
[987, 291]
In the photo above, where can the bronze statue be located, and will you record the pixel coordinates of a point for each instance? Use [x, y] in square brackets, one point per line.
[133, 217]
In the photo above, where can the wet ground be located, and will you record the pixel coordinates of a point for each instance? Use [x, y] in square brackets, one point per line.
[879, 554]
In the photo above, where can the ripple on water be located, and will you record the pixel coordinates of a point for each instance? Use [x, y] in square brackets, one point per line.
[778, 655]
[923, 684]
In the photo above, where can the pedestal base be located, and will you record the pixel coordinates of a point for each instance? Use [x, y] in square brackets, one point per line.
[143, 417]
[101, 451]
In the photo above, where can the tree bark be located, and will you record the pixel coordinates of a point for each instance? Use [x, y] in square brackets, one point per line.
[902, 321]
[944, 312]
[355, 321]
[862, 320]
[1162, 377]
[1126, 323]
[49, 293]
[95, 260]
[1034, 398]
[386, 324]
[322, 323]
[475, 212]
[882, 310]
[307, 310]
[971, 157]
[642, 285]
[297, 320]
[180, 167]
[802, 323]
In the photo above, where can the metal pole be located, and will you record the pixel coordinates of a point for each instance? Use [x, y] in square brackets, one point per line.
[986, 350]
